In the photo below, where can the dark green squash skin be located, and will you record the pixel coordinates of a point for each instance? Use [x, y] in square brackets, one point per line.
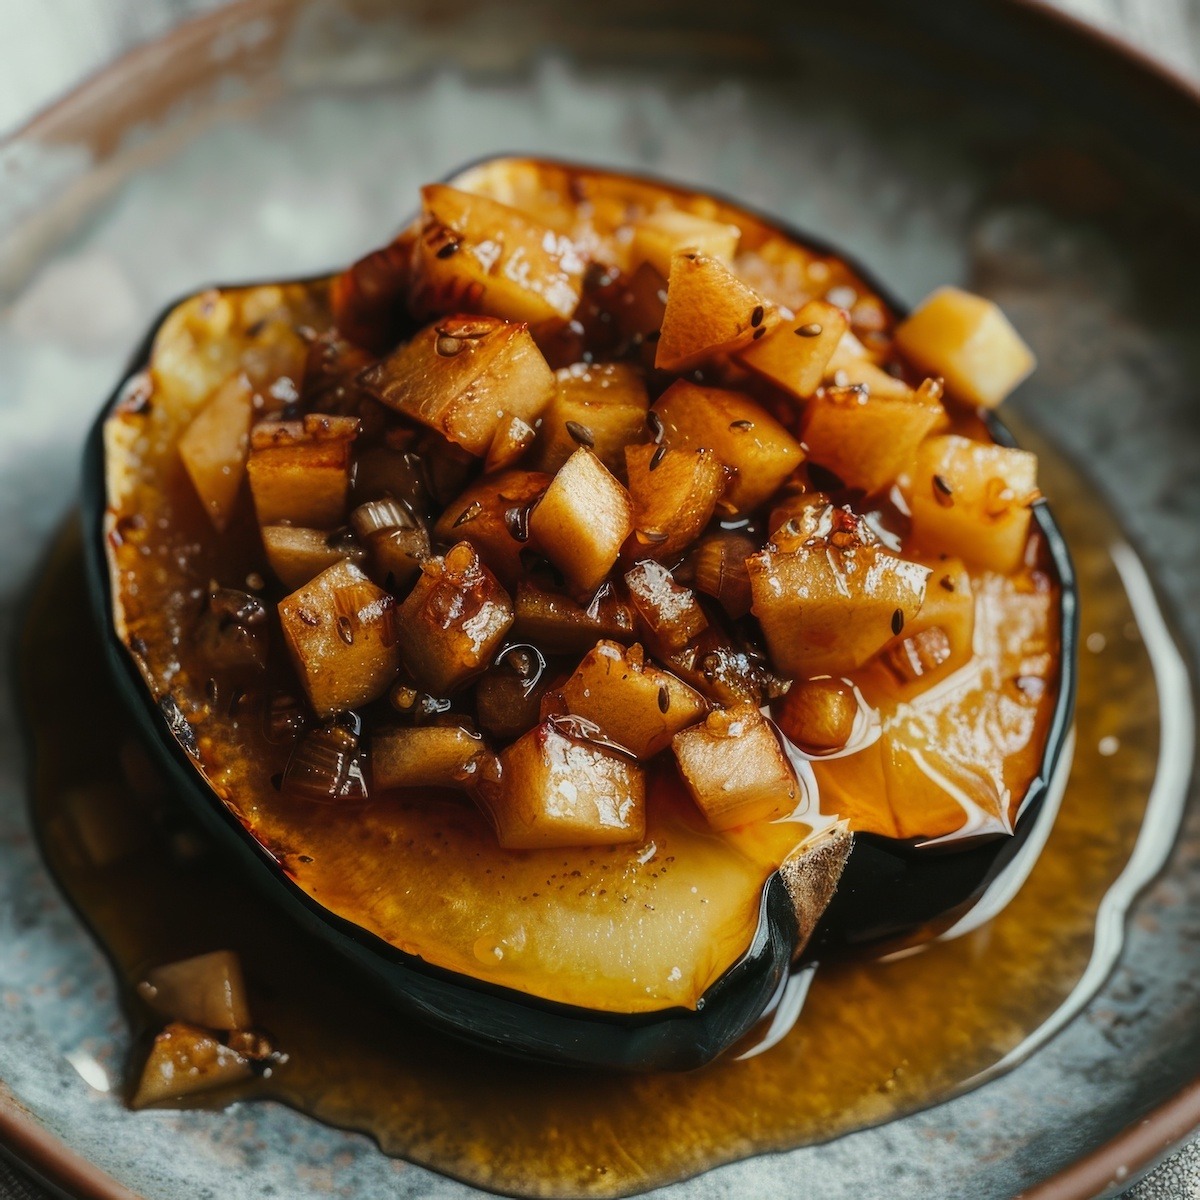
[889, 890]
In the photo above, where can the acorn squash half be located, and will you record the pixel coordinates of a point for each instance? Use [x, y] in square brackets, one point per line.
[664, 945]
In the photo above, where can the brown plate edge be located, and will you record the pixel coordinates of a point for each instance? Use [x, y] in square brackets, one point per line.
[1115, 1164]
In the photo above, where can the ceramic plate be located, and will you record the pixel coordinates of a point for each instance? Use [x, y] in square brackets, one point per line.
[995, 147]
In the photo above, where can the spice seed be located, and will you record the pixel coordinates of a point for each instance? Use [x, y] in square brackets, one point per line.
[897, 621]
[345, 630]
[448, 346]
[810, 330]
[468, 514]
[741, 425]
[581, 434]
[657, 457]
[756, 317]
[449, 249]
[664, 698]
[943, 493]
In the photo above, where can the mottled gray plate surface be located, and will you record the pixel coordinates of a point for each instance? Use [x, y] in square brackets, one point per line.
[988, 148]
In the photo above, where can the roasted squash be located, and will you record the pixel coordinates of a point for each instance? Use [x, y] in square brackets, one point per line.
[597, 678]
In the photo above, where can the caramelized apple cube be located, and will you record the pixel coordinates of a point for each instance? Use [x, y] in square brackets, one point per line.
[341, 631]
[670, 612]
[514, 435]
[559, 789]
[972, 500]
[969, 342]
[719, 670]
[741, 433]
[461, 376]
[674, 493]
[660, 236]
[297, 555]
[865, 439]
[184, 1060]
[827, 611]
[796, 353]
[453, 620]
[562, 625]
[735, 768]
[709, 312]
[508, 696]
[475, 254]
[207, 990]
[424, 756]
[818, 715]
[214, 448]
[489, 515]
[939, 639]
[370, 298]
[582, 521]
[601, 406]
[300, 470]
[635, 703]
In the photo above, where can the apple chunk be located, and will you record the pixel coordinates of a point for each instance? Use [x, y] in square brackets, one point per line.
[582, 520]
[674, 493]
[341, 631]
[207, 990]
[602, 406]
[424, 756]
[973, 500]
[796, 353]
[214, 448]
[709, 312]
[453, 620]
[300, 470]
[557, 788]
[184, 1060]
[657, 238]
[969, 342]
[827, 611]
[463, 377]
[634, 702]
[741, 433]
[735, 768]
[475, 254]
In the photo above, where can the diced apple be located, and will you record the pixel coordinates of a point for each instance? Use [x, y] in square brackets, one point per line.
[674, 493]
[475, 254]
[508, 696]
[600, 406]
[709, 312]
[582, 520]
[972, 500]
[297, 555]
[207, 990]
[660, 236]
[514, 435]
[741, 433]
[214, 448]
[796, 353]
[453, 620]
[735, 768]
[184, 1060]
[370, 298]
[864, 374]
[671, 613]
[559, 789]
[424, 756]
[462, 376]
[939, 639]
[300, 470]
[489, 514]
[818, 715]
[969, 342]
[867, 440]
[635, 703]
[719, 670]
[342, 633]
[827, 611]
[561, 625]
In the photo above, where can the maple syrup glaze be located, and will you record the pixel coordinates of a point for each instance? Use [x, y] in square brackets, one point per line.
[875, 1040]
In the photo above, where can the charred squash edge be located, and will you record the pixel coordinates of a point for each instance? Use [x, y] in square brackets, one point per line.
[869, 906]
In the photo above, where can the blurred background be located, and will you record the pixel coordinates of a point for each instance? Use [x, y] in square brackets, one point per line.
[51, 44]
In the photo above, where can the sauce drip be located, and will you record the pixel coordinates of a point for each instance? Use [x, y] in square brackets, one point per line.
[875, 1040]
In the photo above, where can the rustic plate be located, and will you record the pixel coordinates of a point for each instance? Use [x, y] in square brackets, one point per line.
[999, 148]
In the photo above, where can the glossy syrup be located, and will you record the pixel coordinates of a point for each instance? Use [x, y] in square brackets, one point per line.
[875, 1039]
